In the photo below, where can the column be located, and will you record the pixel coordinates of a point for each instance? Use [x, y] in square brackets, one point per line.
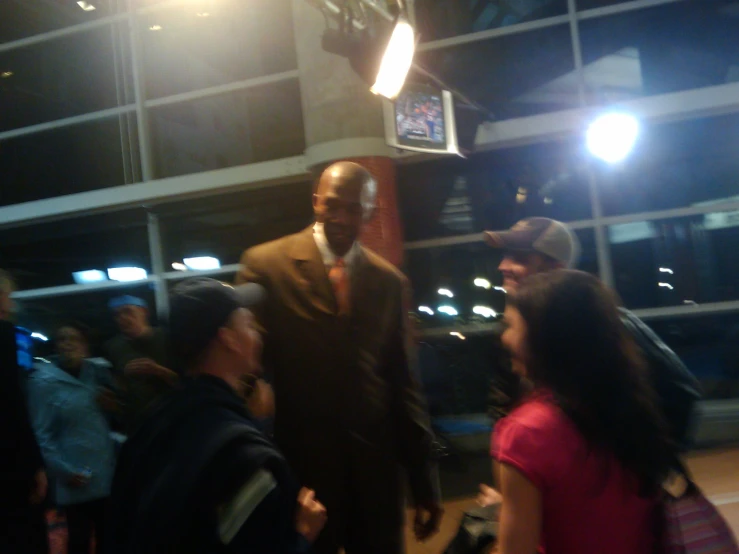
[343, 121]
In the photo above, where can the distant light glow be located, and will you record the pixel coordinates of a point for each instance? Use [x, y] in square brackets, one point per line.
[666, 270]
[500, 289]
[690, 302]
[127, 274]
[6, 74]
[396, 61]
[202, 263]
[203, 14]
[458, 335]
[426, 310]
[484, 311]
[40, 337]
[86, 6]
[155, 28]
[89, 276]
[446, 292]
[448, 310]
[612, 136]
[482, 283]
[666, 286]
[177, 266]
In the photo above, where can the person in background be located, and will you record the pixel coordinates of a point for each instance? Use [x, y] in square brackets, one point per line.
[23, 482]
[350, 417]
[140, 359]
[539, 245]
[74, 435]
[198, 476]
[581, 459]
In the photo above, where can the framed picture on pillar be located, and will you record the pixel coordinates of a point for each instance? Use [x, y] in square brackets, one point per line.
[421, 120]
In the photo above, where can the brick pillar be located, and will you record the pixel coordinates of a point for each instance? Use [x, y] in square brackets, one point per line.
[384, 233]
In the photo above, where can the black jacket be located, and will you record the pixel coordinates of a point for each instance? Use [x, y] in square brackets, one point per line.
[188, 461]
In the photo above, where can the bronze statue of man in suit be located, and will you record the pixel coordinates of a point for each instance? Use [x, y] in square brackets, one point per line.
[349, 415]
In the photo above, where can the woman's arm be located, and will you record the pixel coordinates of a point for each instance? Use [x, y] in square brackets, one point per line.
[520, 513]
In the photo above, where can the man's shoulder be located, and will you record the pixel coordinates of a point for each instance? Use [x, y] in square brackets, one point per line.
[384, 266]
[269, 251]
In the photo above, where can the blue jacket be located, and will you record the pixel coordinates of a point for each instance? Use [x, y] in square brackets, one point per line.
[71, 429]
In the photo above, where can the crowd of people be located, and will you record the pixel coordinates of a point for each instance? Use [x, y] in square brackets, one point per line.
[163, 445]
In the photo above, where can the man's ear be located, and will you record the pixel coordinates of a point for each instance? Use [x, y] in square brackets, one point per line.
[227, 338]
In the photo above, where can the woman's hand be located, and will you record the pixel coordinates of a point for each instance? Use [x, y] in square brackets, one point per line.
[311, 516]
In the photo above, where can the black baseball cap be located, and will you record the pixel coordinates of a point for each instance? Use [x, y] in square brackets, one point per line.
[538, 234]
[199, 307]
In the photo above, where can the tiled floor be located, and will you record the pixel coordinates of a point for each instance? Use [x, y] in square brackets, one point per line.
[716, 472]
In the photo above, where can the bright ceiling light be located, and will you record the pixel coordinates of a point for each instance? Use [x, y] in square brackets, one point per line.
[426, 310]
[482, 283]
[666, 270]
[203, 14]
[202, 263]
[666, 285]
[500, 289]
[446, 292]
[448, 310]
[155, 28]
[86, 6]
[177, 266]
[6, 74]
[484, 311]
[458, 335]
[396, 61]
[89, 276]
[612, 136]
[40, 337]
[126, 274]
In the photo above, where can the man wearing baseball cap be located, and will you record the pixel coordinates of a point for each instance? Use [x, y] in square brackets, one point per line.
[198, 475]
[538, 244]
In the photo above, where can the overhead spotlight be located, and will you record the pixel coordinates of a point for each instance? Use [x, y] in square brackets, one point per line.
[202, 263]
[396, 61]
[86, 6]
[666, 285]
[89, 276]
[203, 14]
[458, 335]
[40, 336]
[127, 274]
[177, 266]
[500, 289]
[484, 311]
[447, 310]
[426, 310]
[666, 270]
[446, 292]
[482, 283]
[6, 74]
[155, 28]
[612, 136]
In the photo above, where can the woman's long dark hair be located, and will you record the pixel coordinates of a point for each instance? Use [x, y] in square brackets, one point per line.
[580, 351]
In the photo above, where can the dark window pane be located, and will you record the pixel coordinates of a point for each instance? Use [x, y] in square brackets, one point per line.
[709, 346]
[455, 269]
[677, 262]
[24, 18]
[46, 255]
[493, 190]
[673, 166]
[44, 315]
[223, 226]
[254, 125]
[513, 76]
[199, 45]
[674, 47]
[68, 76]
[78, 158]
[437, 19]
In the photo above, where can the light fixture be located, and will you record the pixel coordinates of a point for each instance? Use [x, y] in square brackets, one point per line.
[86, 6]
[396, 61]
[458, 335]
[127, 274]
[203, 14]
[500, 289]
[612, 136]
[202, 263]
[484, 311]
[666, 285]
[6, 74]
[448, 310]
[666, 270]
[40, 337]
[155, 28]
[177, 266]
[482, 283]
[446, 292]
[426, 310]
[89, 276]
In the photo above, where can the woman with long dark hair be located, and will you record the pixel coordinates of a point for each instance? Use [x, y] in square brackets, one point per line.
[581, 459]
